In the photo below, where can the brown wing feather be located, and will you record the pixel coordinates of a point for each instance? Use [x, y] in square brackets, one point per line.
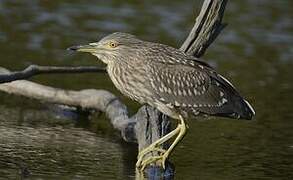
[196, 88]
[184, 86]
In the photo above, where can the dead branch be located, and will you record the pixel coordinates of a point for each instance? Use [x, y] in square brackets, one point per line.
[207, 27]
[88, 99]
[33, 70]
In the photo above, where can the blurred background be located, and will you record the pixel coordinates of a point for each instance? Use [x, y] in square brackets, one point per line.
[254, 51]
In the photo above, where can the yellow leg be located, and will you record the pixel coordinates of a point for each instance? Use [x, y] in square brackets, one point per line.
[180, 130]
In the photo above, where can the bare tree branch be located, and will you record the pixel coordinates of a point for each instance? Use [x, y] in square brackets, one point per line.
[33, 70]
[148, 124]
[88, 99]
[207, 27]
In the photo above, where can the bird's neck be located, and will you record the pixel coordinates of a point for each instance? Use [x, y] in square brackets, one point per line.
[117, 75]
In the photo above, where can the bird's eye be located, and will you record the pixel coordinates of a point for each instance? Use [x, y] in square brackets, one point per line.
[113, 44]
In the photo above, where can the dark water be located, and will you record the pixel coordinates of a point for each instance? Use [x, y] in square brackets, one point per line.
[255, 51]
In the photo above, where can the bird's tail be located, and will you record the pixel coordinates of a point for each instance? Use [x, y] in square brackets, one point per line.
[243, 109]
[237, 107]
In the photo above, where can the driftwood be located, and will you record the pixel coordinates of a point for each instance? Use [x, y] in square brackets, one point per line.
[148, 124]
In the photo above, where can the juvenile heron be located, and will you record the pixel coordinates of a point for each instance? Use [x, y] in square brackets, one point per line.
[177, 84]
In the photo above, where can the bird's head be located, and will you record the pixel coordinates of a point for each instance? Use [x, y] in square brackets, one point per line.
[111, 48]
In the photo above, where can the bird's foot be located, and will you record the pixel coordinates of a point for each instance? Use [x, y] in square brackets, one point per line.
[160, 158]
[142, 163]
[154, 148]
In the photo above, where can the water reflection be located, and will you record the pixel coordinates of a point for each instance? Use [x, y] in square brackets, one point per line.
[254, 51]
[56, 150]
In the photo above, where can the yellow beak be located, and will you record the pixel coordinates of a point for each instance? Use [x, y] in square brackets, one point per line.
[83, 48]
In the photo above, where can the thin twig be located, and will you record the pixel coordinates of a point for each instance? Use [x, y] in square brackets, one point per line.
[33, 70]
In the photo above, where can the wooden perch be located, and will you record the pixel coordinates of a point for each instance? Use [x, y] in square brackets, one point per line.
[148, 124]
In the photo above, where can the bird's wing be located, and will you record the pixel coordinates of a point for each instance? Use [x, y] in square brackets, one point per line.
[182, 85]
[195, 88]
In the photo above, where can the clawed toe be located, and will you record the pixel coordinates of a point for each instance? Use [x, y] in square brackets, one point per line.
[141, 164]
[163, 155]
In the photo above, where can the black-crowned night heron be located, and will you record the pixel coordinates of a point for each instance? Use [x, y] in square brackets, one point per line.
[175, 83]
